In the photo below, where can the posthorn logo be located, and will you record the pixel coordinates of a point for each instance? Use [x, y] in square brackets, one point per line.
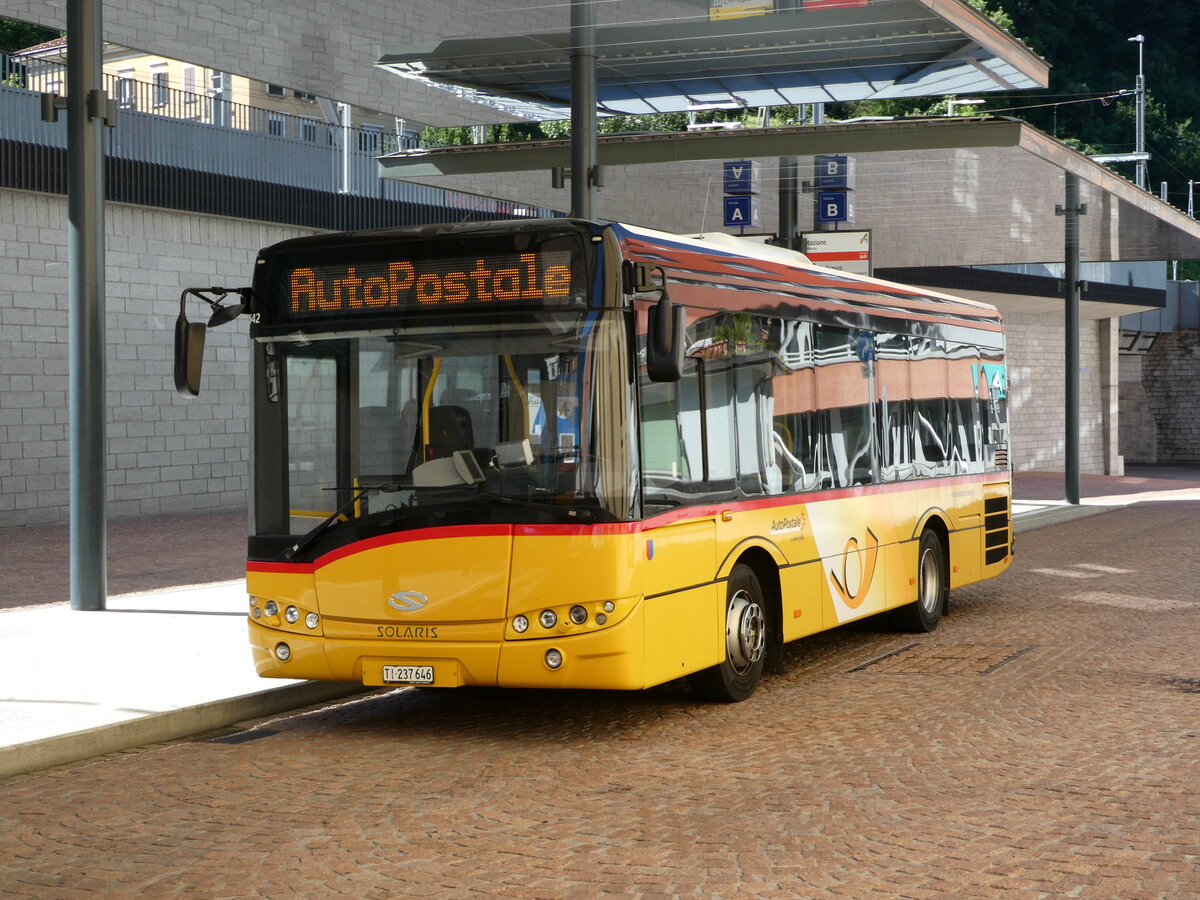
[408, 601]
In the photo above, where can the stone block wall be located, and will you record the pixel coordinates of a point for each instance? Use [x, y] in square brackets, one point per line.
[166, 453]
[1037, 393]
[1171, 386]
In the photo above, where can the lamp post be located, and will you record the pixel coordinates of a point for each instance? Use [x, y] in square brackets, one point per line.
[1140, 95]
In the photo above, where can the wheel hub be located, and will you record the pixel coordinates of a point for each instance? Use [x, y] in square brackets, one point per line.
[930, 582]
[745, 632]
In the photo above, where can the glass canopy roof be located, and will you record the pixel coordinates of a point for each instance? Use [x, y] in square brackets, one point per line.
[876, 50]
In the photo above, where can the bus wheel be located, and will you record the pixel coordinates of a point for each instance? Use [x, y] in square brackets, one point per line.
[933, 587]
[746, 633]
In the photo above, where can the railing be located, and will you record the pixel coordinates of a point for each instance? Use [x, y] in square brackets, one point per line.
[174, 148]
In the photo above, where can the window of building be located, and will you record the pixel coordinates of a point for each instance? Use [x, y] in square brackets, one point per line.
[369, 138]
[276, 125]
[126, 96]
[162, 87]
[189, 84]
[275, 90]
[308, 129]
[304, 95]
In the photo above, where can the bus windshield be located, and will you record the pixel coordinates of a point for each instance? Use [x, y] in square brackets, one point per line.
[517, 419]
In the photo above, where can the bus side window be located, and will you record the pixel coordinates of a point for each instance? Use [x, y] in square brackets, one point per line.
[843, 392]
[672, 446]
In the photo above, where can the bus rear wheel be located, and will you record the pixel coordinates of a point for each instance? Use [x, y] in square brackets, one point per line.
[746, 631]
[933, 588]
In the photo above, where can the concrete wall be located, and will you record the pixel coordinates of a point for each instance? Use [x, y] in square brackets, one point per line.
[1139, 429]
[165, 452]
[1037, 394]
[330, 47]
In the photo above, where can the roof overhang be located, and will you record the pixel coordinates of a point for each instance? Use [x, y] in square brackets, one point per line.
[903, 48]
[641, 149]
[1032, 294]
[1017, 167]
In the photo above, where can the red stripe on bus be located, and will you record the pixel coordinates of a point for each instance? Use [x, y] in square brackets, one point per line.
[617, 528]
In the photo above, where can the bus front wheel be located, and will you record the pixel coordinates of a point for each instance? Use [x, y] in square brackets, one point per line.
[933, 588]
[746, 631]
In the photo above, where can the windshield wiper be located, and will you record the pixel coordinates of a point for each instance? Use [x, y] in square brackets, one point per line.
[583, 515]
[301, 545]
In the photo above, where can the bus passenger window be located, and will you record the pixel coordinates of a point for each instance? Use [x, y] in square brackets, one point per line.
[672, 447]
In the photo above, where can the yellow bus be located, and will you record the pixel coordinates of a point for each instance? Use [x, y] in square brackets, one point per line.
[557, 453]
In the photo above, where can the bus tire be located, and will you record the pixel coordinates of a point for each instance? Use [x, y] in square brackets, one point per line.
[747, 631]
[933, 588]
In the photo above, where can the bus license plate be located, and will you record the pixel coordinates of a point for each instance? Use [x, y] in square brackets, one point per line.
[408, 674]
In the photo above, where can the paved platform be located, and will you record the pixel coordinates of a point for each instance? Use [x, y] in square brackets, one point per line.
[169, 658]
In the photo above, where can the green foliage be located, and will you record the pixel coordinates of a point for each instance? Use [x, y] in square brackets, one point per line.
[1087, 43]
[16, 35]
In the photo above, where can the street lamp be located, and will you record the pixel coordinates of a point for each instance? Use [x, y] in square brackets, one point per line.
[1140, 94]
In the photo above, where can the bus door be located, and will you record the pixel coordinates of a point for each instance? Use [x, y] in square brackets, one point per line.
[852, 527]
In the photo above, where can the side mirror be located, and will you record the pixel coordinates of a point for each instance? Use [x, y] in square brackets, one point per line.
[189, 355]
[189, 336]
[666, 340]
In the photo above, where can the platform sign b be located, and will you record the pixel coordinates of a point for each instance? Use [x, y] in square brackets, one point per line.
[835, 206]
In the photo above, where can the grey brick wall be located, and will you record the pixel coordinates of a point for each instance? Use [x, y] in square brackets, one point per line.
[168, 453]
[330, 47]
[1037, 393]
[165, 452]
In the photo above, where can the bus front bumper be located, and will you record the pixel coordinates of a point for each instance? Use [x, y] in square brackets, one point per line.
[610, 659]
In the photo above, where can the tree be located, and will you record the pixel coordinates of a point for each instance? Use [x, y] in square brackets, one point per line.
[16, 35]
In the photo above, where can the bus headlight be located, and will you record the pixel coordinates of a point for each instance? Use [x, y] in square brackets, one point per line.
[312, 620]
[554, 659]
[520, 624]
[283, 652]
[291, 615]
[578, 615]
[548, 618]
[271, 608]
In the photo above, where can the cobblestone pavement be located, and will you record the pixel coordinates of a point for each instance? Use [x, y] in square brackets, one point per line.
[144, 554]
[1043, 742]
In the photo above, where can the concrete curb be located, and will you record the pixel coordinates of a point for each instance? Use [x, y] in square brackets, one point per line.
[1055, 515]
[170, 725]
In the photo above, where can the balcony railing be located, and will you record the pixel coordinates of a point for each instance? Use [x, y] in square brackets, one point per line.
[204, 153]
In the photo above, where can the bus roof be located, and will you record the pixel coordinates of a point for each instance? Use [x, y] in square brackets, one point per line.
[707, 272]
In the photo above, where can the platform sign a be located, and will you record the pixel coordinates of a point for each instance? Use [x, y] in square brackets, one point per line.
[742, 211]
[742, 176]
[835, 207]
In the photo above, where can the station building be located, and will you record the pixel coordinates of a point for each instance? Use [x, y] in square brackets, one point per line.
[970, 216]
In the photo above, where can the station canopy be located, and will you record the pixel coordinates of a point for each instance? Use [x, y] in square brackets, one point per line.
[827, 51]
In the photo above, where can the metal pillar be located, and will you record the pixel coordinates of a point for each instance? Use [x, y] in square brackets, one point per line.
[1071, 211]
[583, 108]
[1140, 113]
[787, 202]
[86, 111]
[345, 121]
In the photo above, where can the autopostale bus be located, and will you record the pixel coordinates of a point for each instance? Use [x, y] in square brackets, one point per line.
[556, 453]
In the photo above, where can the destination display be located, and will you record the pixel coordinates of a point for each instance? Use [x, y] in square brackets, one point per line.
[534, 278]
